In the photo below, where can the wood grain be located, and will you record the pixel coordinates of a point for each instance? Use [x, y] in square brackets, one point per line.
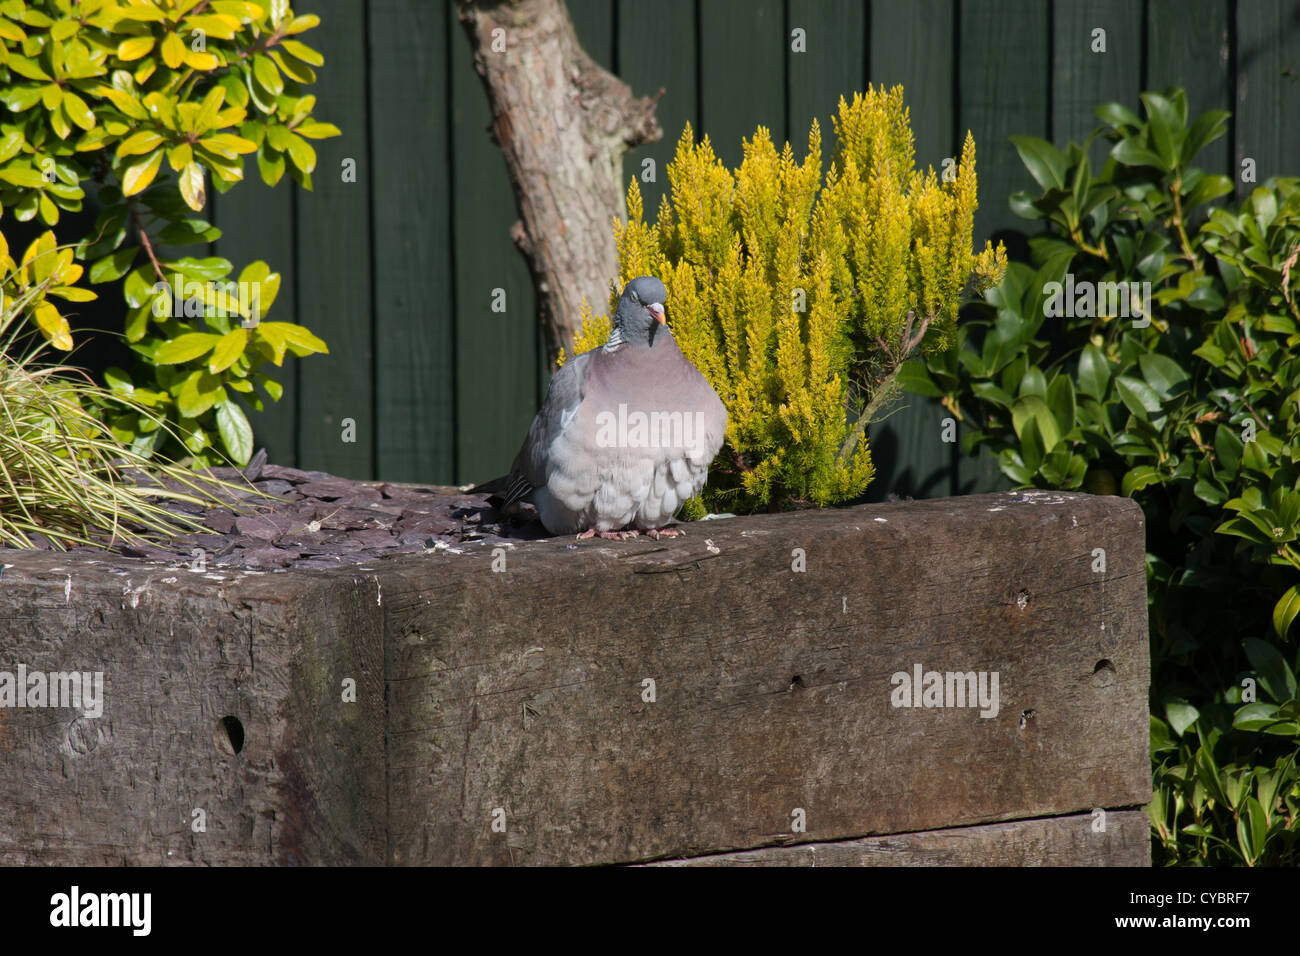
[743, 45]
[523, 689]
[498, 354]
[656, 51]
[1057, 841]
[180, 650]
[256, 222]
[1084, 78]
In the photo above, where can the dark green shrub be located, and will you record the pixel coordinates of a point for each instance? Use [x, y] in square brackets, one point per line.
[1189, 405]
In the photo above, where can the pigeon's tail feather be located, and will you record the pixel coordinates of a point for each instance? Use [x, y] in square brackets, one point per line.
[491, 486]
[518, 489]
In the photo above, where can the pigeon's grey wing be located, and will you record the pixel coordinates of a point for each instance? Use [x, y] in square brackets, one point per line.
[564, 395]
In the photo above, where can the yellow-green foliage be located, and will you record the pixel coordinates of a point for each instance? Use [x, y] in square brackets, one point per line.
[792, 294]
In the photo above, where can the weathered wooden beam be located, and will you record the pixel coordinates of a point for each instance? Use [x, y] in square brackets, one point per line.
[1076, 840]
[153, 779]
[594, 702]
[522, 692]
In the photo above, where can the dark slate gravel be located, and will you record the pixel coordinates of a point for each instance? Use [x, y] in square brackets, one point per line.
[317, 520]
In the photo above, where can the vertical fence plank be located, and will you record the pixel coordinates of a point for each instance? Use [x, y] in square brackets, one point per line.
[593, 22]
[742, 86]
[333, 276]
[832, 65]
[496, 352]
[656, 50]
[414, 346]
[1188, 46]
[1002, 92]
[256, 222]
[912, 44]
[1268, 89]
[1083, 75]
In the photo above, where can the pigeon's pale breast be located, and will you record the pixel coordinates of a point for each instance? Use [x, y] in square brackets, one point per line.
[628, 476]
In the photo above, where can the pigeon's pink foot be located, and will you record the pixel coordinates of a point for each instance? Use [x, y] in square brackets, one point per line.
[609, 535]
[658, 533]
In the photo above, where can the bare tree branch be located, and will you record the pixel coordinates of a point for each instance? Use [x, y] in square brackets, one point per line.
[563, 124]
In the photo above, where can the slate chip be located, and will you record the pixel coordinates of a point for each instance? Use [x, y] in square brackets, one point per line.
[266, 527]
[318, 520]
[220, 521]
[270, 557]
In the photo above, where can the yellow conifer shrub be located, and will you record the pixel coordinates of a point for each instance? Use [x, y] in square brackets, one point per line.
[798, 298]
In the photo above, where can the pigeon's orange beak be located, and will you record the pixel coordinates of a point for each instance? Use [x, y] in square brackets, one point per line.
[657, 310]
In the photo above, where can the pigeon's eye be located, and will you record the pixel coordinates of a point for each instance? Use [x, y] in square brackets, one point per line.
[635, 297]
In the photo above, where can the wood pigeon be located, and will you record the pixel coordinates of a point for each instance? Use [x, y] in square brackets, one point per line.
[627, 431]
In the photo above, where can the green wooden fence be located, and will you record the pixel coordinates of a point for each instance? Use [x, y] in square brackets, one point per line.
[396, 270]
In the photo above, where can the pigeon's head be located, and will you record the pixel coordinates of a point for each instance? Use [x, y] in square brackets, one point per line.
[640, 313]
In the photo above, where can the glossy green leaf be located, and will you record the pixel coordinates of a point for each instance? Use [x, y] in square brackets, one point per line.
[186, 348]
[1138, 397]
[1162, 373]
[191, 185]
[139, 175]
[1286, 610]
[227, 350]
[267, 75]
[1275, 675]
[1033, 407]
[1180, 714]
[1043, 160]
[1138, 478]
[915, 378]
[1094, 372]
[236, 432]
[1131, 153]
[112, 267]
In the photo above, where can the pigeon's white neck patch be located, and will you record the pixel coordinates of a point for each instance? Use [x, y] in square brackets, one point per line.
[615, 339]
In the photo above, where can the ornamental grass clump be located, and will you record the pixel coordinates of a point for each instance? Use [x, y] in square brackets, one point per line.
[63, 474]
[799, 296]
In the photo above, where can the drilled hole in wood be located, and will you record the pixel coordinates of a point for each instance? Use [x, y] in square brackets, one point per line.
[1104, 673]
[229, 736]
[796, 682]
